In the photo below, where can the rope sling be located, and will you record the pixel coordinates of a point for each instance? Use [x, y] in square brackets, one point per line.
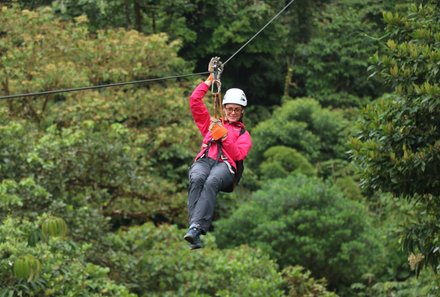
[218, 130]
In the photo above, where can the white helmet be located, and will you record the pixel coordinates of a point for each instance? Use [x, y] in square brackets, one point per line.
[235, 96]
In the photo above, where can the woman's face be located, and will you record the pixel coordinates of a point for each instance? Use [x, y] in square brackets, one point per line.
[233, 112]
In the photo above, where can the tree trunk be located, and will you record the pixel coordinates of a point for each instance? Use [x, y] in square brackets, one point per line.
[137, 15]
[288, 80]
[127, 14]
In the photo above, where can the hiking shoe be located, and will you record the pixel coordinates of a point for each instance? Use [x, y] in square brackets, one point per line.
[196, 245]
[193, 237]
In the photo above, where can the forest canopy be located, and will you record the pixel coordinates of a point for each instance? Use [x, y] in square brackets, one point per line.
[339, 195]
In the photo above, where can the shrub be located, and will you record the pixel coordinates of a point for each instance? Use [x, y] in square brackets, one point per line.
[302, 221]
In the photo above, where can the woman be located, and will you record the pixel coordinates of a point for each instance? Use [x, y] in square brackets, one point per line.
[216, 163]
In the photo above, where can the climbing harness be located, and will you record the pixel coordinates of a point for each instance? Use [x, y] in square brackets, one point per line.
[239, 164]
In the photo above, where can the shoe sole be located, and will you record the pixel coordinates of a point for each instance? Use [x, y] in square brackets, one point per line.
[189, 238]
[195, 246]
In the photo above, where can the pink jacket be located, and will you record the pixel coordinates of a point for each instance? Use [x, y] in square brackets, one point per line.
[235, 147]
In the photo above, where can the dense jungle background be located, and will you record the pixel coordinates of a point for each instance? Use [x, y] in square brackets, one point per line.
[341, 191]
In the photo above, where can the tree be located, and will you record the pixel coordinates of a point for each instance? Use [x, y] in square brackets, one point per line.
[302, 124]
[29, 4]
[64, 269]
[110, 144]
[332, 66]
[280, 161]
[154, 267]
[41, 52]
[206, 29]
[302, 221]
[397, 145]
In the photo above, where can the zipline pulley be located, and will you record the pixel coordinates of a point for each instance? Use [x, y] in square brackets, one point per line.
[217, 69]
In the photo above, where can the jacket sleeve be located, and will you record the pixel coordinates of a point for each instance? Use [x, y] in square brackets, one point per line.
[238, 148]
[198, 109]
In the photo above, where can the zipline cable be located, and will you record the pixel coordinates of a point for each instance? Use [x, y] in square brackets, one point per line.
[256, 34]
[99, 86]
[144, 80]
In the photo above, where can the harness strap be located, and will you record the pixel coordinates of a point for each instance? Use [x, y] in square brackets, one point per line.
[219, 150]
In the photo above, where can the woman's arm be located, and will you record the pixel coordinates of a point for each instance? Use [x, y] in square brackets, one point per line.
[198, 109]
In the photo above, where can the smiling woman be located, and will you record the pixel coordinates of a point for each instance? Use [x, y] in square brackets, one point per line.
[234, 103]
[225, 144]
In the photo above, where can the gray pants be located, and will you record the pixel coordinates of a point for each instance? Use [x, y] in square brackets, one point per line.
[206, 178]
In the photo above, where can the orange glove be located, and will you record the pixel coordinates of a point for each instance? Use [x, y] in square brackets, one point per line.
[218, 131]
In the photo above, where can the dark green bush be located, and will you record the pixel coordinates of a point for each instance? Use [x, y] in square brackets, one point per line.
[303, 221]
[280, 161]
[156, 261]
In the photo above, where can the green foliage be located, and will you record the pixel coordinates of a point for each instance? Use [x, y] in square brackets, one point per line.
[155, 261]
[258, 68]
[22, 198]
[301, 283]
[110, 153]
[302, 221]
[398, 142]
[281, 161]
[54, 227]
[205, 28]
[305, 126]
[57, 166]
[148, 16]
[332, 66]
[390, 215]
[397, 145]
[30, 4]
[27, 267]
[64, 269]
[350, 187]
[118, 156]
[41, 52]
[427, 284]
[14, 141]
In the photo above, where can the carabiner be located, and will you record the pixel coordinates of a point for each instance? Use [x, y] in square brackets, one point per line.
[218, 85]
